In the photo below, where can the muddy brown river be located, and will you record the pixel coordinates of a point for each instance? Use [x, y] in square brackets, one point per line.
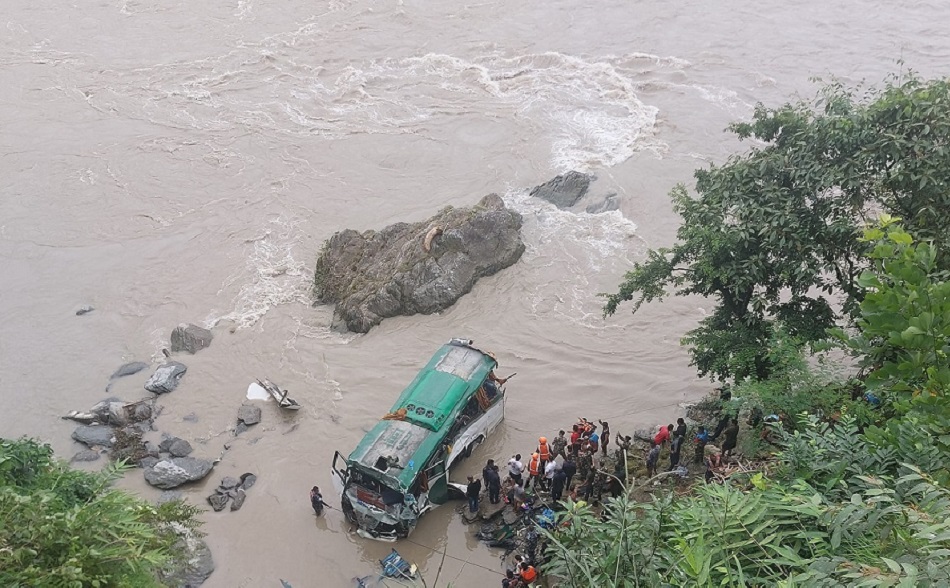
[168, 161]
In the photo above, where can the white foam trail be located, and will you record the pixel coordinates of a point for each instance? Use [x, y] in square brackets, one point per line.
[272, 276]
[586, 108]
[582, 247]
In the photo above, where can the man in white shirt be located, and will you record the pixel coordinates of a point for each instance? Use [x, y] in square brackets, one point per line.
[515, 469]
[549, 470]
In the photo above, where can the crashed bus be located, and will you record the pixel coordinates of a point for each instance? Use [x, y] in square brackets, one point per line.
[400, 469]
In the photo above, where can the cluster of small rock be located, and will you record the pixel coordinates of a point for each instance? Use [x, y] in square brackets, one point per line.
[232, 489]
[108, 423]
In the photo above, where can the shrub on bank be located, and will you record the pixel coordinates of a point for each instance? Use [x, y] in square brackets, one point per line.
[65, 527]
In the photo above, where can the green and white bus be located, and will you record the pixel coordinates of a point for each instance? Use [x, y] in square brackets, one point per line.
[400, 469]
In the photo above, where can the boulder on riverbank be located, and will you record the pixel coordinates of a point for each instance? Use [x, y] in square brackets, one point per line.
[415, 268]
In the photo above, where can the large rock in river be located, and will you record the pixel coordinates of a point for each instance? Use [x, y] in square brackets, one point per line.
[412, 268]
[171, 473]
[190, 338]
[563, 191]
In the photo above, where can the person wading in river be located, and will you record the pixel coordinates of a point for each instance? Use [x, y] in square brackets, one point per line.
[316, 501]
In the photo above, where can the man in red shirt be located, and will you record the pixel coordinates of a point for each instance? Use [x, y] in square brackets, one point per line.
[663, 435]
[575, 439]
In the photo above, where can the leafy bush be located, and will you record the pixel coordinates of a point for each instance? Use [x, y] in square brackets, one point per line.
[64, 527]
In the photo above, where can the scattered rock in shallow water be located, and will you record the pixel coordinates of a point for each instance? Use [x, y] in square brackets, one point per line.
[240, 428]
[190, 338]
[127, 369]
[166, 377]
[86, 455]
[229, 482]
[85, 309]
[152, 448]
[234, 489]
[180, 448]
[173, 472]
[563, 191]
[218, 501]
[101, 409]
[148, 462]
[175, 446]
[118, 414]
[92, 435]
[190, 418]
[142, 412]
[238, 501]
[249, 415]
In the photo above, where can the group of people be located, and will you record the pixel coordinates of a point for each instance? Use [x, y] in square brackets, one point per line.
[554, 467]
[705, 450]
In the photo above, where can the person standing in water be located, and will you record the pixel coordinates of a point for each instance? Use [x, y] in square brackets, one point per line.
[316, 501]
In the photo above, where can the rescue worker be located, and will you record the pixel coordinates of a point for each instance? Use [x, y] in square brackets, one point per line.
[515, 469]
[584, 464]
[493, 483]
[549, 471]
[592, 442]
[472, 492]
[544, 451]
[558, 445]
[576, 440]
[604, 435]
[535, 470]
[528, 573]
[316, 501]
[569, 467]
[558, 483]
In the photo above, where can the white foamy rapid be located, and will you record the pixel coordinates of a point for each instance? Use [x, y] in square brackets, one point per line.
[581, 247]
[271, 276]
[589, 108]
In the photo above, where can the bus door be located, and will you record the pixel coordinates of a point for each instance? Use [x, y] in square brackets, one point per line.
[338, 472]
[436, 480]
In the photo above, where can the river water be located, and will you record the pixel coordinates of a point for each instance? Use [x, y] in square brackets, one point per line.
[169, 161]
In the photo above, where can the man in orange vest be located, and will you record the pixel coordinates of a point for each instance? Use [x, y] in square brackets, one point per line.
[528, 573]
[544, 451]
[535, 469]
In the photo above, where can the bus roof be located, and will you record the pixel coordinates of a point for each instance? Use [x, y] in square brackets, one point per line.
[433, 400]
[440, 389]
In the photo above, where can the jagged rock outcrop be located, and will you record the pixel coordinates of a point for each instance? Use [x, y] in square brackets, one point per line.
[415, 268]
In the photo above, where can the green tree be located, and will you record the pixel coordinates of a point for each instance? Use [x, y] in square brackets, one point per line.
[68, 528]
[773, 235]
